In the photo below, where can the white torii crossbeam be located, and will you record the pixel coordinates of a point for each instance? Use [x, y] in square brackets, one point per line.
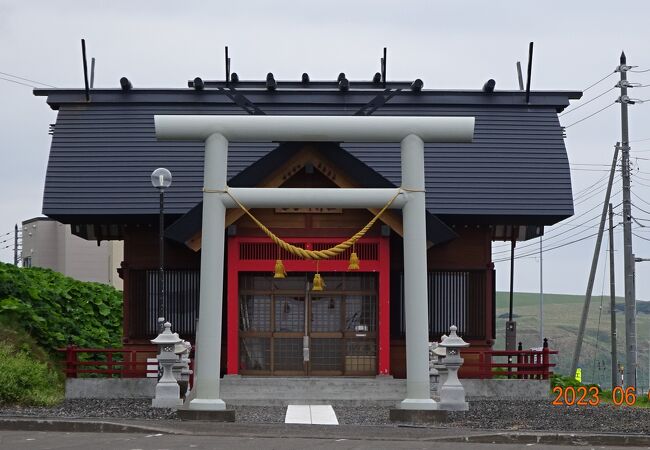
[218, 131]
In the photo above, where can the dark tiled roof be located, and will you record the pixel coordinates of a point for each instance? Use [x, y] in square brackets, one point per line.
[104, 151]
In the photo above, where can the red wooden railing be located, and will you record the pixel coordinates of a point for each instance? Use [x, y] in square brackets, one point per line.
[106, 362]
[513, 364]
[483, 364]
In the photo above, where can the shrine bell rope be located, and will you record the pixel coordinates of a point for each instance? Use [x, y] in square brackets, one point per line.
[312, 254]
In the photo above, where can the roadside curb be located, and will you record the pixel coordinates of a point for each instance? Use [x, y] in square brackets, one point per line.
[76, 425]
[548, 438]
[351, 432]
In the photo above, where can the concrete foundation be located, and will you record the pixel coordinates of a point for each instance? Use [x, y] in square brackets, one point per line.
[417, 415]
[272, 391]
[110, 387]
[263, 391]
[226, 415]
[507, 389]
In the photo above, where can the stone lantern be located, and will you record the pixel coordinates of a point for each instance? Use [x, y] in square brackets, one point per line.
[452, 394]
[439, 354]
[167, 389]
[182, 369]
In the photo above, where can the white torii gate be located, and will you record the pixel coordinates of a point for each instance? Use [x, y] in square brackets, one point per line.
[218, 131]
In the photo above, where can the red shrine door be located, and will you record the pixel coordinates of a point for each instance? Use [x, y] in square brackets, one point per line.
[280, 326]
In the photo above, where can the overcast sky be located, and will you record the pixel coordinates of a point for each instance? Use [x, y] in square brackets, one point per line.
[454, 45]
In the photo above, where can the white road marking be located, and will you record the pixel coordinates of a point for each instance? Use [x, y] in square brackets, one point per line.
[311, 414]
[298, 414]
[323, 415]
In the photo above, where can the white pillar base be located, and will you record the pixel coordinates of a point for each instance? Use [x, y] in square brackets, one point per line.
[418, 404]
[207, 404]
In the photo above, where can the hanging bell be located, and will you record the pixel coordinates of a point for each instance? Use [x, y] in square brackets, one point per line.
[318, 283]
[354, 261]
[279, 269]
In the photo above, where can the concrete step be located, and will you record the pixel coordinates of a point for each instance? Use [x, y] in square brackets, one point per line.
[283, 391]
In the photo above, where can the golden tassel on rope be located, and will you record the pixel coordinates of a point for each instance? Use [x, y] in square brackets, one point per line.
[280, 272]
[354, 260]
[318, 284]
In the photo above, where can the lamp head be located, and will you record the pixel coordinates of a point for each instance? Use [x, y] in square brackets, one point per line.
[161, 178]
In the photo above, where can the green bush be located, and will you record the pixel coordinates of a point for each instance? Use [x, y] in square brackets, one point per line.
[57, 310]
[27, 381]
[564, 381]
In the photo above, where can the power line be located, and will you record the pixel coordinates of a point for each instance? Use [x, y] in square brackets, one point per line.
[644, 201]
[26, 79]
[639, 183]
[598, 82]
[589, 170]
[590, 164]
[17, 82]
[555, 227]
[590, 186]
[498, 250]
[635, 175]
[551, 248]
[554, 236]
[587, 102]
[640, 209]
[641, 237]
[640, 71]
[590, 115]
[595, 193]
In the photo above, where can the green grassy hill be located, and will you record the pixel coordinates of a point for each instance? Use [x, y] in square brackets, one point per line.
[561, 321]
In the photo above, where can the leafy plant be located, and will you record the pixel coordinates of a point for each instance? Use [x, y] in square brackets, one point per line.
[25, 380]
[57, 310]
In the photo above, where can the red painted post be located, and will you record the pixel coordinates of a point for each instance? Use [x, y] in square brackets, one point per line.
[232, 308]
[384, 306]
[109, 364]
[70, 362]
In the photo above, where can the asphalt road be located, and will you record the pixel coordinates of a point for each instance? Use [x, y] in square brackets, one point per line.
[39, 440]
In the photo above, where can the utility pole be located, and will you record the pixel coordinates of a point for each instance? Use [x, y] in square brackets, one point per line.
[628, 257]
[16, 245]
[612, 298]
[594, 266]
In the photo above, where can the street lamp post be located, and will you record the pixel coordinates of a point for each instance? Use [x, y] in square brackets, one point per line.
[161, 179]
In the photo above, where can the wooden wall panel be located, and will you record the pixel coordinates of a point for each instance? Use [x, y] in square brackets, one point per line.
[471, 250]
[141, 250]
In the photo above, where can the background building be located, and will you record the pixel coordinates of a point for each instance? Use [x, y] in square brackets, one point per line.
[51, 244]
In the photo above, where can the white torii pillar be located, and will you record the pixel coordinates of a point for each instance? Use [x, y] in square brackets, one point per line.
[218, 131]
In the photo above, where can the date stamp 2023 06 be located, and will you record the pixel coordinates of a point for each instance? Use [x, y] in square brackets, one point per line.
[591, 396]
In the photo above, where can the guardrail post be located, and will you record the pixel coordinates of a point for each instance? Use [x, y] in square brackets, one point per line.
[70, 361]
[545, 359]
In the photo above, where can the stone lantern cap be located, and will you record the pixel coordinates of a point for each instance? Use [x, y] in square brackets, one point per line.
[167, 337]
[439, 351]
[453, 341]
[182, 347]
